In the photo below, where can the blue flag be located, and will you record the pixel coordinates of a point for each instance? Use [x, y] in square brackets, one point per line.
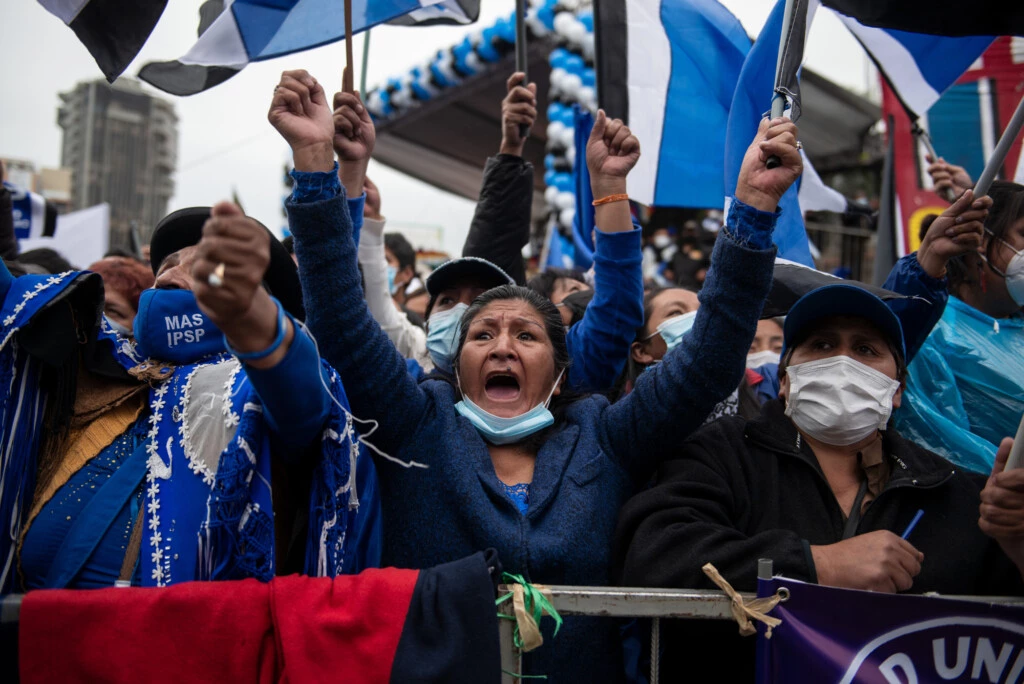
[583, 221]
[750, 103]
[254, 30]
[919, 67]
[670, 74]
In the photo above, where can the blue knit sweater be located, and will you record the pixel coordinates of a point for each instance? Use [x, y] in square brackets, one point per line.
[590, 463]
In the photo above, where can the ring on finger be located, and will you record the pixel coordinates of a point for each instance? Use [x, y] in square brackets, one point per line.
[216, 278]
[799, 145]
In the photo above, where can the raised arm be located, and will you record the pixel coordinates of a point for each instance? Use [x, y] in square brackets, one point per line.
[501, 224]
[599, 344]
[409, 339]
[673, 399]
[373, 373]
[279, 359]
[922, 275]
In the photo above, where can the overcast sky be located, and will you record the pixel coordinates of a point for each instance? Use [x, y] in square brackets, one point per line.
[225, 141]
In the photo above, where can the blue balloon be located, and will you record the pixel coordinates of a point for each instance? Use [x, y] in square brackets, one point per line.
[549, 161]
[563, 181]
[486, 47]
[549, 177]
[558, 57]
[589, 77]
[574, 64]
[587, 19]
[546, 15]
[556, 111]
[505, 29]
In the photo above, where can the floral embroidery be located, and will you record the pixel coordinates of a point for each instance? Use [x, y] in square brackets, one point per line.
[27, 297]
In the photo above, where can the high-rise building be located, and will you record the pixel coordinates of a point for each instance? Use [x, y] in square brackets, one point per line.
[121, 144]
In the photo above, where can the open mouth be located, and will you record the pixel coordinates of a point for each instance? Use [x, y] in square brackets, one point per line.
[502, 387]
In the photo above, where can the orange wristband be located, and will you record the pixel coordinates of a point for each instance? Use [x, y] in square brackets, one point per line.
[621, 197]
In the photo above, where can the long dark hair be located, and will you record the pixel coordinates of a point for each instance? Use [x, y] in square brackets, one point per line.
[556, 333]
[1007, 209]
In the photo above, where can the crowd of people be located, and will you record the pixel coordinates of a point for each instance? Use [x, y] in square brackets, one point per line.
[241, 408]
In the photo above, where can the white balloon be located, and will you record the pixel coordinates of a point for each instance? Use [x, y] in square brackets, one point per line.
[563, 20]
[572, 84]
[566, 216]
[571, 5]
[555, 130]
[588, 97]
[551, 195]
[567, 136]
[576, 32]
[587, 45]
[565, 200]
[570, 154]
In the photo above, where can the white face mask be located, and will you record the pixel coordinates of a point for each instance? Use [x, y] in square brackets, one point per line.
[762, 358]
[839, 401]
[1015, 275]
[662, 241]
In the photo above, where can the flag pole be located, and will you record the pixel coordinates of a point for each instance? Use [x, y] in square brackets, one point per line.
[778, 99]
[346, 78]
[926, 140]
[995, 162]
[521, 58]
[366, 62]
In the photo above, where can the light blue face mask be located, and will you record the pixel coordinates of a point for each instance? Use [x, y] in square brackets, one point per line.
[498, 430]
[392, 272]
[673, 329]
[443, 329]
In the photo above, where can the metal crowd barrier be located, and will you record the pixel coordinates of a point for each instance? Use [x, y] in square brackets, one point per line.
[621, 602]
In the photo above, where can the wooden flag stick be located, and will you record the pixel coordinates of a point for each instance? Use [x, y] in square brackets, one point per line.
[346, 78]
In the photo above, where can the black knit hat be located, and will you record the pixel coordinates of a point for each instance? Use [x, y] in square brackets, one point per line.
[184, 228]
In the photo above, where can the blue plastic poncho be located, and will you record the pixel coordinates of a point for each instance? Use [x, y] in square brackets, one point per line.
[965, 392]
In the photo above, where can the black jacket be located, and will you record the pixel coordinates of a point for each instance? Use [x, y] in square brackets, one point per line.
[743, 490]
[501, 223]
[8, 240]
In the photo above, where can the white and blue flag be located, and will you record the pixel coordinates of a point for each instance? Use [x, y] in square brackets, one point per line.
[918, 66]
[254, 30]
[750, 104]
[668, 68]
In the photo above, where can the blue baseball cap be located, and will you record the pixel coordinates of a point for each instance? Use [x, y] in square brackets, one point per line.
[841, 299]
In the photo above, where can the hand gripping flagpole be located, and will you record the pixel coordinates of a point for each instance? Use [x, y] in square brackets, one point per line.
[995, 162]
[521, 58]
[347, 78]
[948, 194]
[778, 99]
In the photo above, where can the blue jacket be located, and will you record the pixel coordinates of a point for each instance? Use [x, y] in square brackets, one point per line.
[928, 296]
[965, 391]
[599, 344]
[594, 457]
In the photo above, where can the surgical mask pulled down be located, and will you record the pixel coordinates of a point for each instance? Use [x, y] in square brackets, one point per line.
[443, 331]
[673, 329]
[498, 430]
[838, 400]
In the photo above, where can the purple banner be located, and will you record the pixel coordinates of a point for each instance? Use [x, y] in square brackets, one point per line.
[846, 637]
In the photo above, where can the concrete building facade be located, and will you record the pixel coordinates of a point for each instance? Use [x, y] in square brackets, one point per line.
[121, 144]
